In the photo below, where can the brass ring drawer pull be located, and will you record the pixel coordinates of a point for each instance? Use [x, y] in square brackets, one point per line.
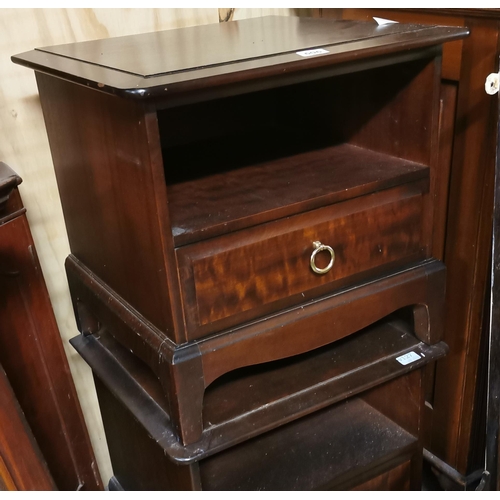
[319, 247]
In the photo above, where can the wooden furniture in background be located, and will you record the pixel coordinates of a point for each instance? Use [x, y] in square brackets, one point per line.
[31, 351]
[456, 398]
[197, 189]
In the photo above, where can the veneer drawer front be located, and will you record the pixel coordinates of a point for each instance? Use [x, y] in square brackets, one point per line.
[243, 275]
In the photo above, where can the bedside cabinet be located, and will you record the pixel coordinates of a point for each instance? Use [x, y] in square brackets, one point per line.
[250, 208]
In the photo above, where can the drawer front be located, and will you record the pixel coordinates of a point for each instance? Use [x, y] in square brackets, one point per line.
[249, 273]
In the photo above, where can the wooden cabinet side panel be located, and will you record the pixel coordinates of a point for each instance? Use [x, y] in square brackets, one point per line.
[108, 183]
[139, 462]
[452, 51]
[32, 354]
[408, 126]
[467, 249]
[394, 113]
[401, 400]
[22, 466]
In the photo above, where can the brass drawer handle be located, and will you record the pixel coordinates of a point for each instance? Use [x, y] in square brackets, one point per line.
[319, 247]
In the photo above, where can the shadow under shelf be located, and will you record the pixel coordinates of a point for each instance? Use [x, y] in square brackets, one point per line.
[214, 203]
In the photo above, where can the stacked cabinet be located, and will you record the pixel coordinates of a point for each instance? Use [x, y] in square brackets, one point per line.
[251, 209]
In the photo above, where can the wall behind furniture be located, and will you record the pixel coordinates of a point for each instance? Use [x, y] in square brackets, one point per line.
[24, 146]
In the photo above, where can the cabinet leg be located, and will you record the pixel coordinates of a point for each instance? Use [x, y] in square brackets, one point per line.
[183, 381]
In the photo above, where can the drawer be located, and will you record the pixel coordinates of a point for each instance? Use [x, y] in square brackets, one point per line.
[253, 272]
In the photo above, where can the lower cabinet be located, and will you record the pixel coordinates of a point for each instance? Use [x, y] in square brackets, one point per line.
[358, 424]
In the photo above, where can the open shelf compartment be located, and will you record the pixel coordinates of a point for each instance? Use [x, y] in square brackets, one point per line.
[225, 202]
[235, 408]
[266, 395]
[244, 160]
[321, 451]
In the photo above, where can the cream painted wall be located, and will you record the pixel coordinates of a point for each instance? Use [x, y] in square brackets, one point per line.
[24, 146]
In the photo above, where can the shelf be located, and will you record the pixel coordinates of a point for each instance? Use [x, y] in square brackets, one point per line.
[259, 396]
[250, 401]
[223, 202]
[323, 450]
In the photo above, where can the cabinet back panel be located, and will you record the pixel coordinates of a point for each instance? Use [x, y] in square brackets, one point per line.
[377, 108]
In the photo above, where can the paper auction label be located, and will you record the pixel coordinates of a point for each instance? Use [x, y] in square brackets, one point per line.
[312, 52]
[408, 358]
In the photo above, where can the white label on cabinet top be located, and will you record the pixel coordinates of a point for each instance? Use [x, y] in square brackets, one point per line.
[382, 22]
[408, 358]
[312, 52]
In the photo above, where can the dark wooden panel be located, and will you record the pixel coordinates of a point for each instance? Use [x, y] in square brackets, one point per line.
[139, 54]
[246, 270]
[33, 357]
[447, 116]
[112, 191]
[22, 466]
[139, 462]
[408, 414]
[312, 453]
[490, 355]
[468, 224]
[452, 52]
[467, 249]
[395, 112]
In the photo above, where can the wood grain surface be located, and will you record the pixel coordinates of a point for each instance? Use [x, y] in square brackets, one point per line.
[249, 269]
[32, 355]
[25, 148]
[22, 466]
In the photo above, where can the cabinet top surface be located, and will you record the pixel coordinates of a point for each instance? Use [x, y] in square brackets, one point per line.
[145, 61]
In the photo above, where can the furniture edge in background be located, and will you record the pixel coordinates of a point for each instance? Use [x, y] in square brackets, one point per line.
[31, 351]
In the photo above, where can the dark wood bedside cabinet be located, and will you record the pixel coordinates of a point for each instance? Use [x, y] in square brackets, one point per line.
[251, 209]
